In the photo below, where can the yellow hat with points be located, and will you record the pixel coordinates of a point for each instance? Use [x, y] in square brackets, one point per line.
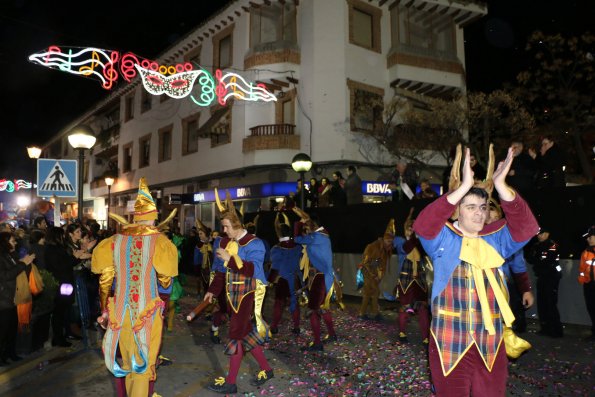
[145, 208]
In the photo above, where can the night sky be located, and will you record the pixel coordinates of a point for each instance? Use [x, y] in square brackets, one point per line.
[37, 102]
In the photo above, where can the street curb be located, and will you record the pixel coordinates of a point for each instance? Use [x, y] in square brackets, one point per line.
[31, 363]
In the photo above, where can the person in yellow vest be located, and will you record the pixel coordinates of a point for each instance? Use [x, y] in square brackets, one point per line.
[374, 264]
[469, 307]
[137, 258]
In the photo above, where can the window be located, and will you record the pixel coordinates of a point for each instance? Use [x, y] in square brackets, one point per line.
[129, 108]
[144, 151]
[422, 32]
[146, 101]
[364, 25]
[127, 157]
[222, 130]
[285, 108]
[366, 107]
[193, 57]
[223, 48]
[275, 23]
[190, 134]
[165, 143]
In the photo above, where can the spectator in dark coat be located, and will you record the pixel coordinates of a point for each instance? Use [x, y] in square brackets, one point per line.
[61, 264]
[37, 247]
[9, 270]
[522, 171]
[338, 196]
[403, 174]
[353, 187]
[550, 164]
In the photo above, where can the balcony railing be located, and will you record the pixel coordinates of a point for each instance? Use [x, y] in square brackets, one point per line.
[271, 137]
[272, 129]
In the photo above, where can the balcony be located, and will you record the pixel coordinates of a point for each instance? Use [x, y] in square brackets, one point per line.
[270, 137]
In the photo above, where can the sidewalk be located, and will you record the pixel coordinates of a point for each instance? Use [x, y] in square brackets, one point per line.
[367, 360]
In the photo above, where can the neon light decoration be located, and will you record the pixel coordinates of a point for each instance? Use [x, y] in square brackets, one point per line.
[233, 85]
[14, 186]
[176, 81]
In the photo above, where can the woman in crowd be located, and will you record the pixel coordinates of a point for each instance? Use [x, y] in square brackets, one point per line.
[61, 264]
[37, 247]
[9, 270]
[324, 193]
[313, 194]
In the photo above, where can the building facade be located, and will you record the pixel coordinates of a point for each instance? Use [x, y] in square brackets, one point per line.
[332, 66]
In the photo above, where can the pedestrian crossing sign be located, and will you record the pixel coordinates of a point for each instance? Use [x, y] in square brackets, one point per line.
[57, 178]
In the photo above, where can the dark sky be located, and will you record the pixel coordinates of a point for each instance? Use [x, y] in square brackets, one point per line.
[37, 102]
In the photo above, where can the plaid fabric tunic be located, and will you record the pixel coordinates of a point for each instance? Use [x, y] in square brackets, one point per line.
[457, 323]
[237, 287]
[406, 278]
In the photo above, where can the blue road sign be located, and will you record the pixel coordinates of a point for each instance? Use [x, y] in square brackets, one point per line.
[57, 178]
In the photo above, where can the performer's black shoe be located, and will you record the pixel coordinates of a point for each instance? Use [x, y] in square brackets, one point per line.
[329, 339]
[312, 347]
[296, 331]
[274, 331]
[221, 386]
[363, 317]
[262, 377]
[378, 317]
[215, 337]
[14, 358]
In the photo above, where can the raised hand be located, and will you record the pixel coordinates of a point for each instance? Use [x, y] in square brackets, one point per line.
[499, 177]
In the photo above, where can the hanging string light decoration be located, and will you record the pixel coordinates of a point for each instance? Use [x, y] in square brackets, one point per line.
[10, 186]
[176, 81]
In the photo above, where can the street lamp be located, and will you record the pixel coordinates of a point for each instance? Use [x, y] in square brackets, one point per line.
[34, 152]
[82, 138]
[109, 181]
[302, 163]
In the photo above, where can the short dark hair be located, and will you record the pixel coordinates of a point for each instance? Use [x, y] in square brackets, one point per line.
[54, 236]
[5, 246]
[476, 191]
[338, 173]
[38, 220]
[36, 235]
[351, 168]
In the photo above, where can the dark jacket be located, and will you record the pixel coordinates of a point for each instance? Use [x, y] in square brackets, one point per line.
[545, 258]
[9, 270]
[524, 173]
[353, 189]
[60, 263]
[551, 169]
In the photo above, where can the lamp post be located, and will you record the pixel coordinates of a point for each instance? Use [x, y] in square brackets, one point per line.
[82, 138]
[302, 163]
[34, 152]
[109, 181]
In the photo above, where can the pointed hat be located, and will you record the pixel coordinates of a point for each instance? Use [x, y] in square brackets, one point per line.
[145, 208]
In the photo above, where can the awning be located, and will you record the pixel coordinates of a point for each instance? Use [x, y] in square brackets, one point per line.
[207, 129]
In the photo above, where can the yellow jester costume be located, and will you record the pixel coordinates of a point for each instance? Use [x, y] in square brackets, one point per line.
[137, 258]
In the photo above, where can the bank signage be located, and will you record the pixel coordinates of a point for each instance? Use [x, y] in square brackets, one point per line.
[376, 188]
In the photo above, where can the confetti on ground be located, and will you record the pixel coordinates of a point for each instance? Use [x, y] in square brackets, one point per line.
[367, 360]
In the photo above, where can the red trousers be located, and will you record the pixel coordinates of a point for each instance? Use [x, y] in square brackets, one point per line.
[470, 377]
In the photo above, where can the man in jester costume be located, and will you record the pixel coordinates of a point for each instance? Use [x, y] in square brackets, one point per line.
[375, 261]
[138, 258]
[285, 274]
[411, 287]
[321, 276]
[469, 305]
[243, 256]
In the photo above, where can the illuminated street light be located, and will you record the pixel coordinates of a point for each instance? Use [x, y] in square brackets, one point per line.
[82, 138]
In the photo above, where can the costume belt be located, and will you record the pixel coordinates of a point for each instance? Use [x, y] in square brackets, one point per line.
[482, 257]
